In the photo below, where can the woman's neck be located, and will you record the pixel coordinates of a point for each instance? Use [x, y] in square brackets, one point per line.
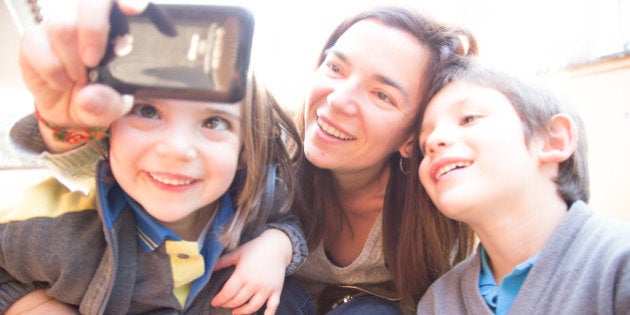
[362, 191]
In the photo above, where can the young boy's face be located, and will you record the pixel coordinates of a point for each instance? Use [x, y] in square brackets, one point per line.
[475, 152]
[174, 157]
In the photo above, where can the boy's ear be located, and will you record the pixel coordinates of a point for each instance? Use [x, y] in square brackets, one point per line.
[405, 149]
[560, 139]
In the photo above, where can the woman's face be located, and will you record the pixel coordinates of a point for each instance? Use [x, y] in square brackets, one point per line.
[363, 97]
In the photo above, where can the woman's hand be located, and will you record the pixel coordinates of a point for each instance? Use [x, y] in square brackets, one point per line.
[259, 274]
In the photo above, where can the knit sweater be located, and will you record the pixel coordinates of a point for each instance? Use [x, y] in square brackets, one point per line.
[583, 269]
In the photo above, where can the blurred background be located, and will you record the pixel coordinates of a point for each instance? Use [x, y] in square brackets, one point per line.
[581, 47]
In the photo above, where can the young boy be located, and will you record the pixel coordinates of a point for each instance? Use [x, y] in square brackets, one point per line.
[181, 183]
[175, 190]
[508, 159]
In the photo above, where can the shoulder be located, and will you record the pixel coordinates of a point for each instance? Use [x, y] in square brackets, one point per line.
[465, 271]
[452, 286]
[598, 245]
[456, 292]
[598, 229]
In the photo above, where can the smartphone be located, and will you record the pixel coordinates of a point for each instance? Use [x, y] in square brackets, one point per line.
[195, 52]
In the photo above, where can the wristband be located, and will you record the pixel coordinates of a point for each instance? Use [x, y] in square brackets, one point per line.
[73, 135]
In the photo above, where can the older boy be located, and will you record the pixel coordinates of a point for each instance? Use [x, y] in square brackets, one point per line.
[508, 159]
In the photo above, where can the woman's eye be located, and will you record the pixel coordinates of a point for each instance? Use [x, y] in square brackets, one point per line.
[145, 110]
[384, 97]
[216, 123]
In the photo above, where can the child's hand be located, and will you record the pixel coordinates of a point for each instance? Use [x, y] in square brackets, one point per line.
[54, 57]
[258, 276]
[37, 302]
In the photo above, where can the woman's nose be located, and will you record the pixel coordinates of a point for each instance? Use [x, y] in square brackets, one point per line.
[345, 97]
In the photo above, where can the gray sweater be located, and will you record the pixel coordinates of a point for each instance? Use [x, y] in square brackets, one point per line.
[583, 269]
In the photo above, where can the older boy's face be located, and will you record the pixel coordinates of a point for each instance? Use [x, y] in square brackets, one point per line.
[475, 154]
[174, 157]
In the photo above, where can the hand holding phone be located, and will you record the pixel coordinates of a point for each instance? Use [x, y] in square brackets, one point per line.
[199, 52]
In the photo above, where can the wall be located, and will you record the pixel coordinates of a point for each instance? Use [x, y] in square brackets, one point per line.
[601, 91]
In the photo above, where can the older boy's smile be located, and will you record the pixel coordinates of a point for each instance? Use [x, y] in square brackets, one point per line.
[446, 165]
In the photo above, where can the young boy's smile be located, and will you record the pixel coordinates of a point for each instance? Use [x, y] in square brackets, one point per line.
[174, 157]
[475, 152]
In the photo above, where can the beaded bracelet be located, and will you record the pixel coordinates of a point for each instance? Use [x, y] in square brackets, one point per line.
[73, 136]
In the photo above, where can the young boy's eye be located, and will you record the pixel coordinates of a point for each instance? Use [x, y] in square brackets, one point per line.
[144, 110]
[216, 123]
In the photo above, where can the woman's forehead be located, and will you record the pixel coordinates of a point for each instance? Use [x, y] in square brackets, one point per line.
[383, 51]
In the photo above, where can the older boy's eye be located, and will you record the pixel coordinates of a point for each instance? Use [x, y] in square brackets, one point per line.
[216, 123]
[144, 110]
[332, 67]
[468, 119]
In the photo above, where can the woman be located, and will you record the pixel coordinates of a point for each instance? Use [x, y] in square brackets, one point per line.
[363, 222]
[357, 125]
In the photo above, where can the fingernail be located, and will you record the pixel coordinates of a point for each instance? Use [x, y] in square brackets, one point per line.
[127, 102]
[91, 56]
[135, 6]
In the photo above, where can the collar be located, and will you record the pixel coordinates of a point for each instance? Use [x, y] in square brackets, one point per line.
[151, 233]
[500, 298]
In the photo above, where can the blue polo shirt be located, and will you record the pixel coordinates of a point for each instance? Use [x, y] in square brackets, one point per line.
[191, 262]
[501, 298]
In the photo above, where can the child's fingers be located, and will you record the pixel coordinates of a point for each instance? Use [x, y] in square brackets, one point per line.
[62, 32]
[226, 260]
[228, 292]
[272, 303]
[98, 105]
[253, 305]
[40, 64]
[132, 7]
[242, 296]
[93, 28]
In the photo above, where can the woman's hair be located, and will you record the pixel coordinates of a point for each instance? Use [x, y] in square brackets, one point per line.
[269, 138]
[416, 244]
[535, 105]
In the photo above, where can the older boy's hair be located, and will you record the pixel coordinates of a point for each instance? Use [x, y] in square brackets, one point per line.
[535, 104]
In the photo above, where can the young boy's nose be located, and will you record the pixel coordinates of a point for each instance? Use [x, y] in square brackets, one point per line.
[439, 138]
[178, 144]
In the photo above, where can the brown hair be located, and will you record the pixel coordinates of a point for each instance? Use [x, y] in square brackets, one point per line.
[535, 105]
[416, 251]
[269, 138]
